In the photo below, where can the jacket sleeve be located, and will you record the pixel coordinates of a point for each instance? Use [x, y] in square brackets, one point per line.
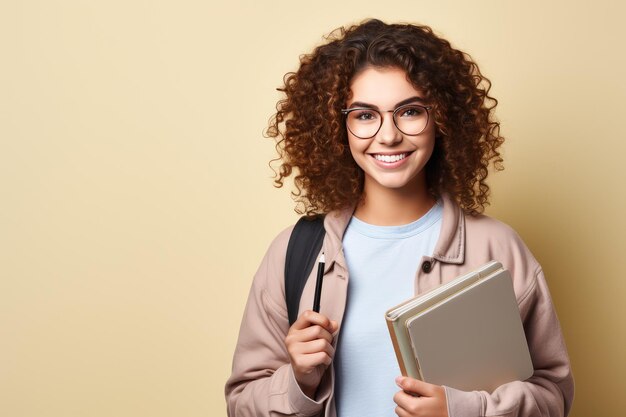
[550, 391]
[262, 381]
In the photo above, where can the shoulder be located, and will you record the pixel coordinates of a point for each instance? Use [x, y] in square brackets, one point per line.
[276, 254]
[278, 246]
[488, 230]
[487, 237]
[482, 230]
[269, 277]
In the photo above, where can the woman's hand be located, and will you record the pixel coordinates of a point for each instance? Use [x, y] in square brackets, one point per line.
[309, 343]
[420, 399]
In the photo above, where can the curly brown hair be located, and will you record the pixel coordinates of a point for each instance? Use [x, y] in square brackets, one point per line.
[310, 128]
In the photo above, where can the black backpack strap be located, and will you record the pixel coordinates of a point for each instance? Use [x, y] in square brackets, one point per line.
[305, 243]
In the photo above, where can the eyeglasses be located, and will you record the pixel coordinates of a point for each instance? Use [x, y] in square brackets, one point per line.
[365, 122]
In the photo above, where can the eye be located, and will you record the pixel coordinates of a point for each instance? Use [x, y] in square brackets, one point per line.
[411, 111]
[364, 115]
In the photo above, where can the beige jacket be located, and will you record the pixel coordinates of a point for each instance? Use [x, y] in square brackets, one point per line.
[262, 382]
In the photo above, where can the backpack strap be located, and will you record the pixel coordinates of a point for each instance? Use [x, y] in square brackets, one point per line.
[305, 243]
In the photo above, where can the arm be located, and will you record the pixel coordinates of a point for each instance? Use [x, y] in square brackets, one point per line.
[262, 382]
[550, 391]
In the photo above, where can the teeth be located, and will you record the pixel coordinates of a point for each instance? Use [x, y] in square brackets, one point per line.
[390, 158]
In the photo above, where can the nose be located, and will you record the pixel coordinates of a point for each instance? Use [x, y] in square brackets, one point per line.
[388, 133]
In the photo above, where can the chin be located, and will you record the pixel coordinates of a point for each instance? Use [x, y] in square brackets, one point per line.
[395, 183]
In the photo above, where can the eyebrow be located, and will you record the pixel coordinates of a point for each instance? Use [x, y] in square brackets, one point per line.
[401, 103]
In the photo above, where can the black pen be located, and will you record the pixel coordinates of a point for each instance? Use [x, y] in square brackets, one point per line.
[318, 283]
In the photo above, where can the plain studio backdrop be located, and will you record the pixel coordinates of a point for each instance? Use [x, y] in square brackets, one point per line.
[137, 201]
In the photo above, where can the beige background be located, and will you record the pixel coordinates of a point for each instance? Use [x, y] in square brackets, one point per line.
[136, 200]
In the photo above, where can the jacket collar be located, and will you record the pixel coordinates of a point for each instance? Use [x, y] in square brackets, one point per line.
[335, 224]
[450, 247]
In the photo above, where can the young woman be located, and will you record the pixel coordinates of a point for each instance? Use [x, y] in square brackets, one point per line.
[390, 132]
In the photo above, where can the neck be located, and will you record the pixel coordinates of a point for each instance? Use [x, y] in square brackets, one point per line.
[384, 206]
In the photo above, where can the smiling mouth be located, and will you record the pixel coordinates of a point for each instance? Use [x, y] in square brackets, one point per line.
[390, 158]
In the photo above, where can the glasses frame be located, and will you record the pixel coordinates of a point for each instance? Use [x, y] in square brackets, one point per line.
[346, 112]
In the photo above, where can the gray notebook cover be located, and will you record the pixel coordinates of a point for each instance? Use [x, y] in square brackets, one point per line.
[472, 339]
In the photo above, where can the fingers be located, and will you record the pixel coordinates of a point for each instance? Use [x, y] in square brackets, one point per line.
[309, 341]
[311, 347]
[419, 398]
[311, 326]
[311, 333]
[309, 344]
[306, 363]
[409, 405]
[415, 386]
[309, 318]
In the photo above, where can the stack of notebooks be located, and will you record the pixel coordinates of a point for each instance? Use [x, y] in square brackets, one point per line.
[466, 334]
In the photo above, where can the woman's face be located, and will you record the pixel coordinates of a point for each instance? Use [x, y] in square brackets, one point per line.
[389, 159]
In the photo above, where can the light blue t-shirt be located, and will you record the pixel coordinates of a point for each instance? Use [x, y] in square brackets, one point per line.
[382, 264]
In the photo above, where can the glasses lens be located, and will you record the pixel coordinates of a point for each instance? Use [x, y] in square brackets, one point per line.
[363, 123]
[411, 119]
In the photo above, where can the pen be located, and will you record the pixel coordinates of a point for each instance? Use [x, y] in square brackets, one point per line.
[318, 283]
